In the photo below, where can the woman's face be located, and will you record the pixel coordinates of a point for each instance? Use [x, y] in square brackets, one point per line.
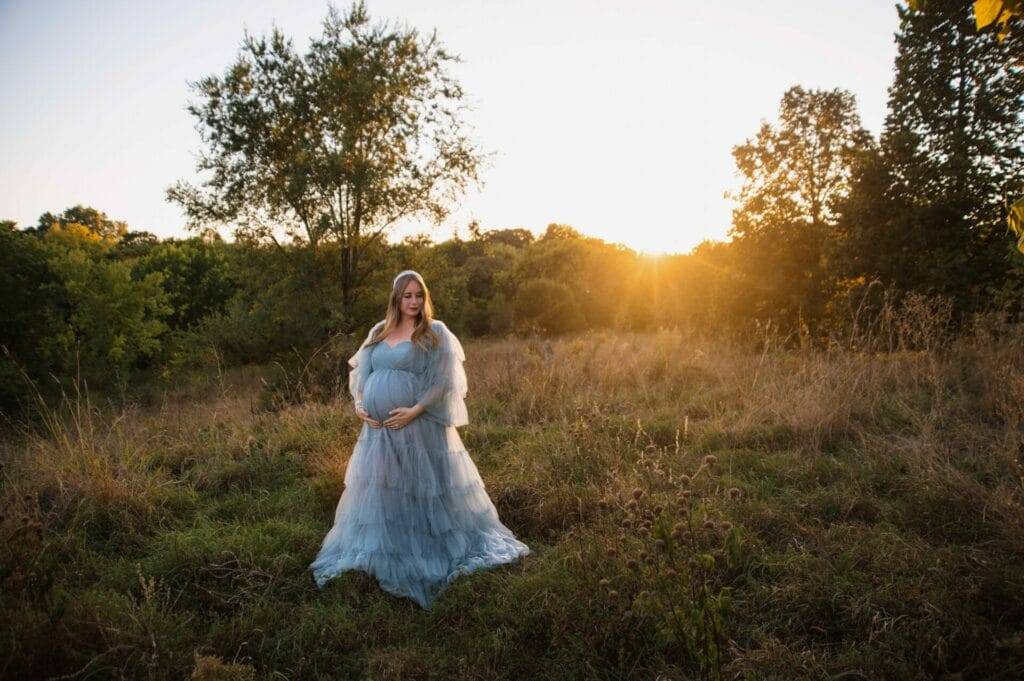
[411, 301]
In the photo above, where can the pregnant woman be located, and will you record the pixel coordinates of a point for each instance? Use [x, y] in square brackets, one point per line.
[414, 512]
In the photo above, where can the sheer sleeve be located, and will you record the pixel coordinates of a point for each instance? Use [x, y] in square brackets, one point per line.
[442, 386]
[360, 368]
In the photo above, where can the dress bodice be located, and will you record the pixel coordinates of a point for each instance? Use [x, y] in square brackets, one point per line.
[397, 358]
[411, 372]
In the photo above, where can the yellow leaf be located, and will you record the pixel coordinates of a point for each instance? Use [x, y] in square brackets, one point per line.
[1015, 220]
[986, 12]
[1004, 25]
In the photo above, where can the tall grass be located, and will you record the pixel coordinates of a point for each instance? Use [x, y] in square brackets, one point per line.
[852, 510]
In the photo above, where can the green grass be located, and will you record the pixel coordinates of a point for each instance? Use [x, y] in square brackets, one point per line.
[877, 525]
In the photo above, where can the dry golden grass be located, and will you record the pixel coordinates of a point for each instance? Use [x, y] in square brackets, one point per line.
[862, 515]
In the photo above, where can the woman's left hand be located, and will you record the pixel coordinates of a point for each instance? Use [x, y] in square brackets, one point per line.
[401, 417]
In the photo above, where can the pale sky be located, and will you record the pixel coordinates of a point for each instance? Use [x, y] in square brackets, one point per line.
[616, 118]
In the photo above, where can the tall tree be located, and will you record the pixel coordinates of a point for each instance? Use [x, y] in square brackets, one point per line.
[951, 159]
[794, 173]
[335, 146]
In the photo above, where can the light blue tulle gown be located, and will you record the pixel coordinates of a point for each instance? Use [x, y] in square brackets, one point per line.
[414, 512]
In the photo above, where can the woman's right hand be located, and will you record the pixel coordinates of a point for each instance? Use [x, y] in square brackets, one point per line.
[361, 413]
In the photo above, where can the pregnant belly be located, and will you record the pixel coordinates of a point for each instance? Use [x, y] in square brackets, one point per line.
[387, 389]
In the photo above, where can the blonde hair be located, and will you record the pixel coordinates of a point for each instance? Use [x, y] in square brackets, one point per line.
[425, 318]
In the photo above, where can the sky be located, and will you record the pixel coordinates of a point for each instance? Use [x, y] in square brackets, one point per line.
[617, 118]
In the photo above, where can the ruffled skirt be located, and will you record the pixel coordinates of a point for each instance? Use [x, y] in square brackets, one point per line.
[414, 514]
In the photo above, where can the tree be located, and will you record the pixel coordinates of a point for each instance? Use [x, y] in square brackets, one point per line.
[518, 237]
[136, 244]
[96, 220]
[1000, 15]
[29, 315]
[195, 279]
[335, 146]
[546, 306]
[930, 216]
[106, 322]
[794, 174]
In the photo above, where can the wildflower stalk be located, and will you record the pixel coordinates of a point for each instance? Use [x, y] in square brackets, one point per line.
[696, 622]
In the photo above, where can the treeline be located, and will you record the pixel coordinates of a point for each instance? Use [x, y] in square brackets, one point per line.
[831, 224]
[102, 304]
[829, 217]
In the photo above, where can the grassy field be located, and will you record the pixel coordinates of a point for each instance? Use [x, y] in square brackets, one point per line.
[695, 509]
